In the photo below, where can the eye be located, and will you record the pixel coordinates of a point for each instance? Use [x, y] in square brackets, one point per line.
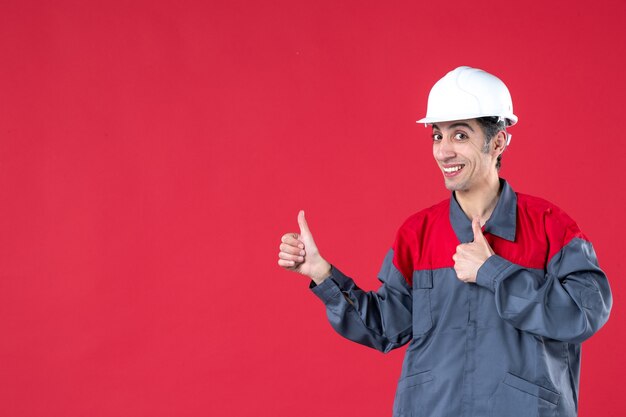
[437, 137]
[460, 136]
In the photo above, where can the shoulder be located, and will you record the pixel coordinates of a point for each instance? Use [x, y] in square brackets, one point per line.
[419, 226]
[540, 207]
[428, 215]
[558, 224]
[535, 204]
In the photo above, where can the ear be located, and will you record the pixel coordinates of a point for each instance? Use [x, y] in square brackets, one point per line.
[498, 143]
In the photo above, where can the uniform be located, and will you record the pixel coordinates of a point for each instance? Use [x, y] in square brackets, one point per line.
[508, 345]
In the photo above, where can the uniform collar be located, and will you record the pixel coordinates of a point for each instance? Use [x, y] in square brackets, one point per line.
[501, 223]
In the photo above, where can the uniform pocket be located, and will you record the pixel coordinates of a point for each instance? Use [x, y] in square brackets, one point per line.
[413, 396]
[416, 379]
[516, 397]
[422, 314]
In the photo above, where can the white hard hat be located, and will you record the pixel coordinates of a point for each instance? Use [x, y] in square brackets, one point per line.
[468, 93]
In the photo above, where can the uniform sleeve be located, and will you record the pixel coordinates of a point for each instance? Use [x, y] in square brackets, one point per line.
[568, 301]
[380, 319]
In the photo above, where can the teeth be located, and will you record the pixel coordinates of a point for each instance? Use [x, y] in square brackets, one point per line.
[453, 169]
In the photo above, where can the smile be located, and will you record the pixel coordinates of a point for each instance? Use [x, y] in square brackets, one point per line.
[450, 170]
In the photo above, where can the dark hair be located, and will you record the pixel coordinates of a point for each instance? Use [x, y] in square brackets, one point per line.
[491, 126]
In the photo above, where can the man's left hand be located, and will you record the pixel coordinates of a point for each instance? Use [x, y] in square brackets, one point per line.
[469, 257]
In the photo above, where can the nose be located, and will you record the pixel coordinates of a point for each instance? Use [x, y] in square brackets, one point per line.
[443, 150]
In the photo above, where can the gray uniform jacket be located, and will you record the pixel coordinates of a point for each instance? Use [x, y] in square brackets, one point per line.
[506, 346]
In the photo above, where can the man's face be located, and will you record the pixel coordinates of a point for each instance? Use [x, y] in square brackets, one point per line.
[460, 151]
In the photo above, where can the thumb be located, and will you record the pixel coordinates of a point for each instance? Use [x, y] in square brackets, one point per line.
[304, 227]
[478, 233]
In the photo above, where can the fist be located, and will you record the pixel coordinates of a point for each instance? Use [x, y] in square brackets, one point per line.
[469, 257]
[299, 253]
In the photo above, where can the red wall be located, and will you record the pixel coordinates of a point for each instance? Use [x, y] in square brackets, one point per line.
[153, 152]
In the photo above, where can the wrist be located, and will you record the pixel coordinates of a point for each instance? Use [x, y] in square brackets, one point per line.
[321, 273]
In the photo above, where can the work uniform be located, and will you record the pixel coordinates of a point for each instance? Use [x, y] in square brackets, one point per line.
[506, 346]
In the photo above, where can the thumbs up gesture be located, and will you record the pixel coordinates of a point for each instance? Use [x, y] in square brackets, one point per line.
[469, 257]
[299, 253]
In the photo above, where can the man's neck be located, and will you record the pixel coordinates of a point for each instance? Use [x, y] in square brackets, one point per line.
[481, 200]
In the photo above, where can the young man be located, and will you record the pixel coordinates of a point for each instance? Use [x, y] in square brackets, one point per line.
[493, 290]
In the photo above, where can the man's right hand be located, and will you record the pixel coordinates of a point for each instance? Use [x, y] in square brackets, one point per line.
[299, 253]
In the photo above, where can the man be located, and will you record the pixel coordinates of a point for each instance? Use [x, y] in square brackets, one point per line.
[493, 290]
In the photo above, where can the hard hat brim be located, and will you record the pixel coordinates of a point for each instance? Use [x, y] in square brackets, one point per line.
[512, 119]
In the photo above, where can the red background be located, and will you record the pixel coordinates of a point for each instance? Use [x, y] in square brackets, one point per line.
[152, 153]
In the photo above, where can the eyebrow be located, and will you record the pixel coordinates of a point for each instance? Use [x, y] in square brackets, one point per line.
[455, 125]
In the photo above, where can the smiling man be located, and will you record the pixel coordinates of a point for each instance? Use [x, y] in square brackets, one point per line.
[493, 290]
